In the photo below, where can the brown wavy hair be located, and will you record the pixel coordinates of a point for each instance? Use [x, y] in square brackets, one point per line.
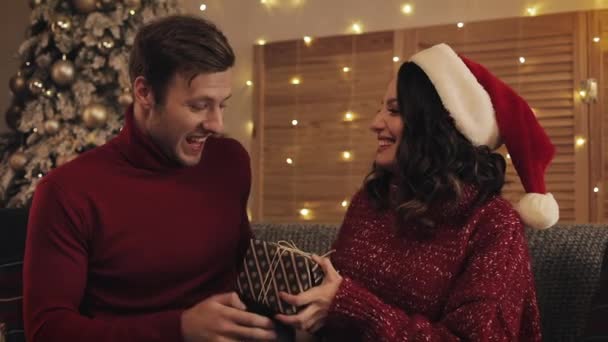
[434, 160]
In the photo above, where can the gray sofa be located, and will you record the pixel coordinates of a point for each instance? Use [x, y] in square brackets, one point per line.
[566, 260]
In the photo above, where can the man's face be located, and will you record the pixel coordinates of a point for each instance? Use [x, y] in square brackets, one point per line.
[192, 111]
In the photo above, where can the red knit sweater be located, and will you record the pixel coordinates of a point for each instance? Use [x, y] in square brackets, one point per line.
[469, 278]
[122, 240]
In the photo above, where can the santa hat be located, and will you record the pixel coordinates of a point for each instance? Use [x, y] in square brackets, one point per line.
[488, 112]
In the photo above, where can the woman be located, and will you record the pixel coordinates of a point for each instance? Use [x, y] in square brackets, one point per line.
[428, 249]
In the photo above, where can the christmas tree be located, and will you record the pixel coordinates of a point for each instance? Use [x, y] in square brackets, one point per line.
[72, 88]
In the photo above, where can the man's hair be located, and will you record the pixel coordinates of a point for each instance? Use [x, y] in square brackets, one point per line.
[178, 44]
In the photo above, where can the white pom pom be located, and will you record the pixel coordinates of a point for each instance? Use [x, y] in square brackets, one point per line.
[538, 211]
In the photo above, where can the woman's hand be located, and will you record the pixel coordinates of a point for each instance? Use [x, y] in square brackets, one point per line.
[317, 300]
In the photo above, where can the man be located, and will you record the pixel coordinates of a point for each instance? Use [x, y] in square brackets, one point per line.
[138, 240]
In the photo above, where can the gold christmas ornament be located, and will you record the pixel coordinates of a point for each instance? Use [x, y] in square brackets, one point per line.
[63, 72]
[64, 159]
[132, 4]
[35, 86]
[94, 115]
[17, 161]
[125, 99]
[62, 22]
[35, 3]
[18, 85]
[51, 126]
[106, 44]
[85, 6]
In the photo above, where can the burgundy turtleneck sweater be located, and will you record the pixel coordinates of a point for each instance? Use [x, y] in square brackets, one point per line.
[122, 240]
[468, 278]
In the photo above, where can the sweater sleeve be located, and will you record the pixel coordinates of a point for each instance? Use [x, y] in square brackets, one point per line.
[55, 276]
[489, 300]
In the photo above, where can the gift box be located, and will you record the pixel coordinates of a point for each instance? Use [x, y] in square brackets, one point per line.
[269, 268]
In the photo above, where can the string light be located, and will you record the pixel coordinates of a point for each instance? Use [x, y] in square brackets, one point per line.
[132, 12]
[596, 39]
[508, 156]
[203, 7]
[582, 93]
[407, 9]
[261, 42]
[346, 69]
[289, 161]
[531, 11]
[580, 141]
[295, 81]
[305, 212]
[294, 122]
[460, 25]
[357, 28]
[40, 175]
[596, 189]
[349, 116]
[307, 40]
[347, 155]
[522, 60]
[396, 59]
[344, 204]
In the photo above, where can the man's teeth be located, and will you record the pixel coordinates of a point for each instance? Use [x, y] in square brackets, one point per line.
[196, 140]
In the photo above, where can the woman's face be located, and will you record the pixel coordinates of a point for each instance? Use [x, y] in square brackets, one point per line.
[388, 127]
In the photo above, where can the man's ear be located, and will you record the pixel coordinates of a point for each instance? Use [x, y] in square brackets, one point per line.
[142, 93]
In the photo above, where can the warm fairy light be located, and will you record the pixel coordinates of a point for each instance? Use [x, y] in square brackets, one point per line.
[407, 9]
[357, 28]
[531, 11]
[344, 203]
[346, 69]
[349, 116]
[249, 83]
[347, 155]
[203, 7]
[305, 212]
[508, 156]
[596, 189]
[580, 141]
[596, 39]
[460, 25]
[295, 81]
[396, 59]
[294, 122]
[582, 93]
[132, 12]
[289, 161]
[261, 42]
[522, 60]
[307, 40]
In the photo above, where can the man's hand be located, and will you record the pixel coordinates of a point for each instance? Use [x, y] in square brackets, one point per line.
[223, 318]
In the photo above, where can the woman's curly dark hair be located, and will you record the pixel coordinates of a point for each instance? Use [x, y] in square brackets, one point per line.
[434, 160]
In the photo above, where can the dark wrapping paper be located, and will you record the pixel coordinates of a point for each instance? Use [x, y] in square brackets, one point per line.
[270, 268]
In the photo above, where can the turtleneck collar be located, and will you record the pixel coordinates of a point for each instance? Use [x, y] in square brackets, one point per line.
[140, 150]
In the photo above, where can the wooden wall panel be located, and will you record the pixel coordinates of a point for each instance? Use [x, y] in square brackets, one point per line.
[319, 179]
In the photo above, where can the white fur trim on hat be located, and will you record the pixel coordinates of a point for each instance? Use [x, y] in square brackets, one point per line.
[462, 95]
[538, 211]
